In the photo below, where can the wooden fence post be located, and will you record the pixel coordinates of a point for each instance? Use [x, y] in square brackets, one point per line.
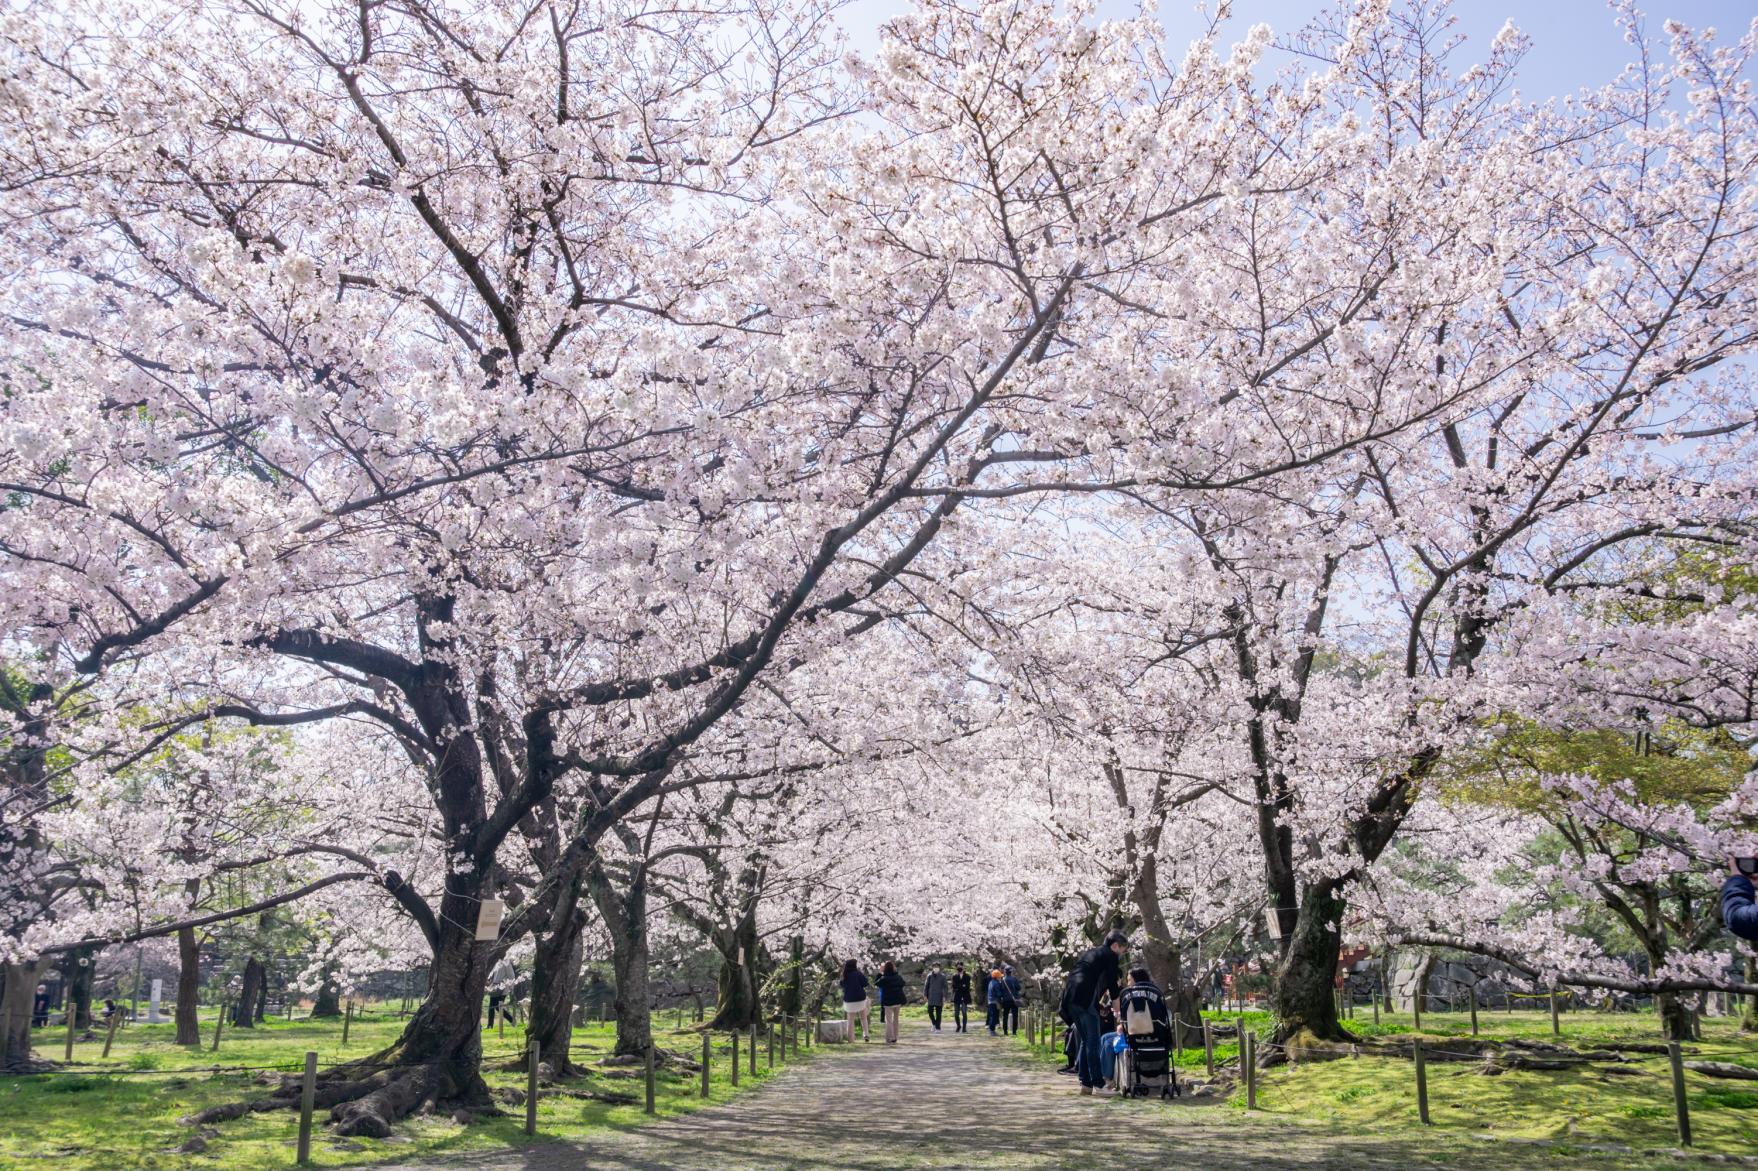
[1556, 1028]
[1421, 1082]
[307, 1099]
[1209, 1049]
[348, 1020]
[73, 1019]
[753, 1048]
[1376, 1009]
[735, 1058]
[1472, 993]
[219, 1024]
[707, 1054]
[1248, 1055]
[769, 1059]
[110, 1034]
[1416, 1007]
[1680, 1106]
[1177, 1038]
[650, 1048]
[533, 1052]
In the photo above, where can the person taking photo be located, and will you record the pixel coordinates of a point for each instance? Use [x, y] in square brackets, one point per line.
[1739, 911]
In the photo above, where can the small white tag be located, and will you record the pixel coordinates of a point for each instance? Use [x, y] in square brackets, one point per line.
[488, 919]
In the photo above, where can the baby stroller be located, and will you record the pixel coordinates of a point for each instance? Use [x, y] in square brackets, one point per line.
[1147, 1064]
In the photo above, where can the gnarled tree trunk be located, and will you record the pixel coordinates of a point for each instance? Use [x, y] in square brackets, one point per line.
[81, 968]
[1678, 1020]
[1306, 978]
[438, 1057]
[738, 986]
[555, 985]
[18, 990]
[625, 918]
[249, 992]
[1161, 954]
[328, 1002]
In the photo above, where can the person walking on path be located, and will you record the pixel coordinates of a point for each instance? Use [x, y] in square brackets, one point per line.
[994, 992]
[934, 992]
[1011, 996]
[500, 983]
[1094, 976]
[890, 1000]
[961, 999]
[854, 1000]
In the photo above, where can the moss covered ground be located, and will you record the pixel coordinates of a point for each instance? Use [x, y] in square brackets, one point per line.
[1624, 1104]
[104, 1115]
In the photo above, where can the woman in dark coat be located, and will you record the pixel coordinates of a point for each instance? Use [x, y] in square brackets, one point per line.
[854, 999]
[891, 994]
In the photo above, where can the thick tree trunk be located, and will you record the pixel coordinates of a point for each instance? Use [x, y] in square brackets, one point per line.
[250, 989]
[18, 990]
[328, 1002]
[81, 968]
[555, 986]
[738, 986]
[1161, 954]
[793, 990]
[438, 1058]
[625, 919]
[1306, 980]
[1678, 1020]
[188, 987]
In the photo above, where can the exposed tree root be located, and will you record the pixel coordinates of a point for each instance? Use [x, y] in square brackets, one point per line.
[1303, 1044]
[1723, 1069]
[369, 1103]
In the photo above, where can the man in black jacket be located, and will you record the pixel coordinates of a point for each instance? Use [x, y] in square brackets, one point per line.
[1095, 975]
[961, 999]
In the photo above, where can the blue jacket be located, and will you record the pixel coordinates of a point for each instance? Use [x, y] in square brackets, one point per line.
[1738, 911]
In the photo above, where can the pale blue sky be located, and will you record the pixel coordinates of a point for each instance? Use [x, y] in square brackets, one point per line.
[1575, 42]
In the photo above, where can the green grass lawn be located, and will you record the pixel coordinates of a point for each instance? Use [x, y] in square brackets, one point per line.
[122, 1113]
[1633, 1107]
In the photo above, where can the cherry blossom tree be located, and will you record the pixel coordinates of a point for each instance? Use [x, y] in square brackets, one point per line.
[572, 396]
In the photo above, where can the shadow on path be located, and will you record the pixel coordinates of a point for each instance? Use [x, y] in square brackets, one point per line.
[961, 1101]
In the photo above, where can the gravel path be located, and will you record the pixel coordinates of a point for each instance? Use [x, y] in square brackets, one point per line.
[951, 1101]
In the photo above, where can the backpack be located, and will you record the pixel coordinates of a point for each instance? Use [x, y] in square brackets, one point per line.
[1138, 1021]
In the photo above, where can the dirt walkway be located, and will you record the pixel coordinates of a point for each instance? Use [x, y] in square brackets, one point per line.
[950, 1101]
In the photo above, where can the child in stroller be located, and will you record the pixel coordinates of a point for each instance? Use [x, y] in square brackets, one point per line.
[1146, 1064]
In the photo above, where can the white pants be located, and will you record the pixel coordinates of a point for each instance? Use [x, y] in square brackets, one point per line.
[893, 1014]
[858, 1010]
